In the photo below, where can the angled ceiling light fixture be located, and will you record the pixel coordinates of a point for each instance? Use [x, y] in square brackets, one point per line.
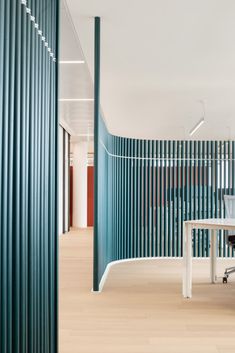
[76, 100]
[200, 122]
[72, 62]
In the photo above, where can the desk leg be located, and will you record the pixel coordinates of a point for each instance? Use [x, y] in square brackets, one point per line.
[187, 261]
[213, 255]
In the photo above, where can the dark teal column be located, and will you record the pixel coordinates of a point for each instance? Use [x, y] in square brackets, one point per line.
[96, 153]
[28, 176]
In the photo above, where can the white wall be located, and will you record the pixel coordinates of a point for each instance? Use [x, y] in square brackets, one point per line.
[60, 216]
[66, 181]
[80, 184]
[64, 163]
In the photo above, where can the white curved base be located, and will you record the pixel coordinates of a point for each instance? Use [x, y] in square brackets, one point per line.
[112, 263]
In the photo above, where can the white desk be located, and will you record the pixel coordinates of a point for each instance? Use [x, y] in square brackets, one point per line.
[213, 224]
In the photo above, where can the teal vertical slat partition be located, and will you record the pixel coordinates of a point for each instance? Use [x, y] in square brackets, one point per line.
[28, 176]
[156, 186]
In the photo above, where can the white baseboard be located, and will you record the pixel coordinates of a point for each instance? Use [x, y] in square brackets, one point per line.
[113, 263]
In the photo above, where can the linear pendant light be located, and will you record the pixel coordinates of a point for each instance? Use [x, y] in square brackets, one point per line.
[197, 126]
[76, 99]
[72, 62]
[201, 121]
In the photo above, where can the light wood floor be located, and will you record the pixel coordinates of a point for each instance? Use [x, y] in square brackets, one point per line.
[141, 309]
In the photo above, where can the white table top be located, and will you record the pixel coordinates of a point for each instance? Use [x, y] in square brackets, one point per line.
[213, 223]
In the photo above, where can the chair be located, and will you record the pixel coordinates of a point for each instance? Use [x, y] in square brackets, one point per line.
[229, 201]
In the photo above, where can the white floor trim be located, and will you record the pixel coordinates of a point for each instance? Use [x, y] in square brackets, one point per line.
[113, 263]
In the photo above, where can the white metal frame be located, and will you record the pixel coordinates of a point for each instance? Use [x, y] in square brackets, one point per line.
[213, 225]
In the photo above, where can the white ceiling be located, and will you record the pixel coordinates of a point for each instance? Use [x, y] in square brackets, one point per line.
[75, 82]
[159, 59]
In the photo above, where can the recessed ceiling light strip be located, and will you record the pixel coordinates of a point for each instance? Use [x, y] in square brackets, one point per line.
[39, 31]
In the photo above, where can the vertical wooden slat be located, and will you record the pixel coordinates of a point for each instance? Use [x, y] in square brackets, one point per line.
[160, 200]
[134, 197]
[129, 198]
[119, 198]
[223, 191]
[165, 199]
[174, 178]
[144, 200]
[178, 200]
[199, 197]
[187, 186]
[208, 166]
[140, 200]
[125, 210]
[219, 186]
[149, 196]
[203, 156]
[157, 200]
[182, 194]
[137, 191]
[96, 151]
[228, 189]
[195, 185]
[131, 235]
[216, 185]
[152, 199]
[233, 175]
[191, 179]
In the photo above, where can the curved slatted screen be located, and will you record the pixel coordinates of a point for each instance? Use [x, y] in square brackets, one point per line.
[28, 170]
[146, 189]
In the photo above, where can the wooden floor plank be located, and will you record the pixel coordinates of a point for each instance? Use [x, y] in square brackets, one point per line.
[141, 309]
